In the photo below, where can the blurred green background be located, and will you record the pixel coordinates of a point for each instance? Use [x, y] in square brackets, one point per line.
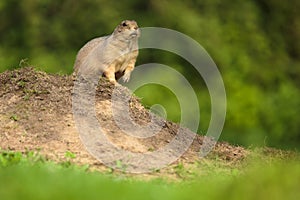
[255, 44]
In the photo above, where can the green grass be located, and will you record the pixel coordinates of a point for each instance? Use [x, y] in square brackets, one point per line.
[30, 176]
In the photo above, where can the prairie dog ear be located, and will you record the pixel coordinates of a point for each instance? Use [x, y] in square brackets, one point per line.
[119, 28]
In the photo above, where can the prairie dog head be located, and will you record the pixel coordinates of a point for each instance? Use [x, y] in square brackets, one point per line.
[127, 30]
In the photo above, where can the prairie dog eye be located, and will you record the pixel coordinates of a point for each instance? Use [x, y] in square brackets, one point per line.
[124, 24]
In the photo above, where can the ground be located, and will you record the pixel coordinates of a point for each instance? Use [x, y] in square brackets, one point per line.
[36, 115]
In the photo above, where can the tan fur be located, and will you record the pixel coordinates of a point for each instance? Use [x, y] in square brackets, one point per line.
[113, 56]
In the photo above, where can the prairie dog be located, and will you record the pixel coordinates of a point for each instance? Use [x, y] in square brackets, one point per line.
[113, 56]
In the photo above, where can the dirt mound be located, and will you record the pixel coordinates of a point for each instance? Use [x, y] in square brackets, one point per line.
[36, 114]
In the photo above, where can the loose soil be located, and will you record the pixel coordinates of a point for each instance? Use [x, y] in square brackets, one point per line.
[36, 115]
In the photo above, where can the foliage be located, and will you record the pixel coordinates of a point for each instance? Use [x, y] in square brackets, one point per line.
[272, 178]
[254, 43]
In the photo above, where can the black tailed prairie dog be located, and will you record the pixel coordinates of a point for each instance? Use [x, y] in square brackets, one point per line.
[113, 56]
